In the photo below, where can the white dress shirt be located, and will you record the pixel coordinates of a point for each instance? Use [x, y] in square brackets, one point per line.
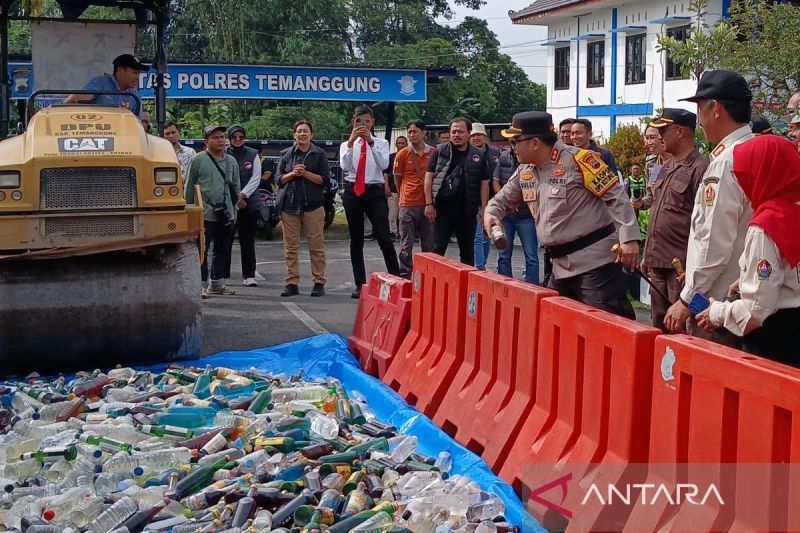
[377, 160]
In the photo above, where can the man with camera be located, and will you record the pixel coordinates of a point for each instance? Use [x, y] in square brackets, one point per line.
[363, 158]
[217, 175]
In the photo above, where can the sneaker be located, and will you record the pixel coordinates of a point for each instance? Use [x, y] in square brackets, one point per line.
[356, 294]
[290, 290]
[318, 290]
[219, 291]
[259, 277]
[250, 282]
[204, 295]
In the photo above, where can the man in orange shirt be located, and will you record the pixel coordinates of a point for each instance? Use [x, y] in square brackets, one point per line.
[409, 174]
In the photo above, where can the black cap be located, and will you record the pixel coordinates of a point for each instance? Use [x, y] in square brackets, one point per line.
[722, 85]
[529, 123]
[236, 128]
[130, 61]
[760, 126]
[672, 115]
[211, 128]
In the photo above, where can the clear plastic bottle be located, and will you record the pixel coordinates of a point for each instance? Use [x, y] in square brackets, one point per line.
[486, 510]
[12, 450]
[114, 515]
[314, 393]
[404, 449]
[22, 469]
[62, 438]
[108, 482]
[59, 507]
[158, 460]
[217, 443]
[444, 462]
[322, 425]
[27, 506]
[233, 454]
[88, 511]
[262, 522]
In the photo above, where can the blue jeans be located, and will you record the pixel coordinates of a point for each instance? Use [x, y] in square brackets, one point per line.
[482, 244]
[526, 229]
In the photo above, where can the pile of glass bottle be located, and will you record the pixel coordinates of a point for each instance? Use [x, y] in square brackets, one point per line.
[216, 449]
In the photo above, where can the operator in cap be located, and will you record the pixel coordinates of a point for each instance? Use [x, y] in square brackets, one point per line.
[721, 211]
[671, 201]
[125, 78]
[761, 126]
[578, 203]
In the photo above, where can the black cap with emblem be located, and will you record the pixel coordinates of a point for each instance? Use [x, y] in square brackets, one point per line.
[679, 117]
[722, 85]
[529, 123]
[129, 61]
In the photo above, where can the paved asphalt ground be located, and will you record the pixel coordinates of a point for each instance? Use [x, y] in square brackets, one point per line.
[257, 316]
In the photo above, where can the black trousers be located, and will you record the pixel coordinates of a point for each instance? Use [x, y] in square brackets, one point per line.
[464, 227]
[776, 339]
[246, 228]
[602, 287]
[371, 204]
[217, 237]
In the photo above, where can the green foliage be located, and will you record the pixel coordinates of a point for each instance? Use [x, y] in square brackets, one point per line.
[627, 146]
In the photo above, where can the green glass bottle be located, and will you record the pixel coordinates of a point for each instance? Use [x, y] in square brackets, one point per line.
[199, 478]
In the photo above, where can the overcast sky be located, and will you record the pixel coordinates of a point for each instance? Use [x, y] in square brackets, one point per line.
[516, 40]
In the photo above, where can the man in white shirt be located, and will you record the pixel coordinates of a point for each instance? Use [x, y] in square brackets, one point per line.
[363, 158]
[721, 211]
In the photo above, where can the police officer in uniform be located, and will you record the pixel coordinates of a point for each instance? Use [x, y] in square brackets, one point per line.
[578, 204]
[721, 210]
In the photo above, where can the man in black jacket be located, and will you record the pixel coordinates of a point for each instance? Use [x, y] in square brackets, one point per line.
[249, 204]
[456, 190]
[303, 174]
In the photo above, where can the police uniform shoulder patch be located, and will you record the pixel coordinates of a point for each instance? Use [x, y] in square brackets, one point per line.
[764, 270]
[554, 155]
[709, 195]
[597, 177]
[718, 150]
[710, 180]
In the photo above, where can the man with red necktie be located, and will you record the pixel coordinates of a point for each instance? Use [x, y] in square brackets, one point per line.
[363, 158]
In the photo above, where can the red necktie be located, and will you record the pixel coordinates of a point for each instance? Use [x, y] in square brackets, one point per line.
[361, 171]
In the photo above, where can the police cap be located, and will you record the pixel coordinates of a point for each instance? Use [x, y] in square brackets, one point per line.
[529, 123]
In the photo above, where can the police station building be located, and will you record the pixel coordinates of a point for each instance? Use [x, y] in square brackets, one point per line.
[602, 58]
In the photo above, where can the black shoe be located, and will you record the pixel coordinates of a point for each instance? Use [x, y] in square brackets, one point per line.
[356, 294]
[394, 237]
[290, 290]
[318, 290]
[369, 237]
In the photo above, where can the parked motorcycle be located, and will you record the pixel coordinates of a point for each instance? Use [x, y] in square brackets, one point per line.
[268, 216]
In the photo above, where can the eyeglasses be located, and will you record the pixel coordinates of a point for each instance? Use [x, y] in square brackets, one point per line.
[516, 140]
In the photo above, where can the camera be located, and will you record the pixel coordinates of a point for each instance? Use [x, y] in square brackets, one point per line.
[221, 213]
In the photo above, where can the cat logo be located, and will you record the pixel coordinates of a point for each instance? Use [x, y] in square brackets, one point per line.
[86, 144]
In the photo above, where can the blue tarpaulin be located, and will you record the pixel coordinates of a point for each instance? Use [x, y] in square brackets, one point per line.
[328, 356]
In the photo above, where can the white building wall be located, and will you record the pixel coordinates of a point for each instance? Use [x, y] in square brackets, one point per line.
[656, 90]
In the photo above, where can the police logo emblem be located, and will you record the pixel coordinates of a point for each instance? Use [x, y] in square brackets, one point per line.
[528, 195]
[407, 85]
[709, 194]
[554, 191]
[526, 175]
[592, 160]
[559, 171]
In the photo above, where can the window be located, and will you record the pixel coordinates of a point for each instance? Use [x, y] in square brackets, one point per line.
[634, 59]
[595, 67]
[562, 68]
[677, 71]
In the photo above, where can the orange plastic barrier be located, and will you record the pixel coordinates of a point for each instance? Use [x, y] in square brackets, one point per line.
[492, 392]
[382, 321]
[592, 402]
[429, 356]
[715, 406]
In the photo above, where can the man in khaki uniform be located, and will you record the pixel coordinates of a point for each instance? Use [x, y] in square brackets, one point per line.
[578, 203]
[672, 196]
[721, 211]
